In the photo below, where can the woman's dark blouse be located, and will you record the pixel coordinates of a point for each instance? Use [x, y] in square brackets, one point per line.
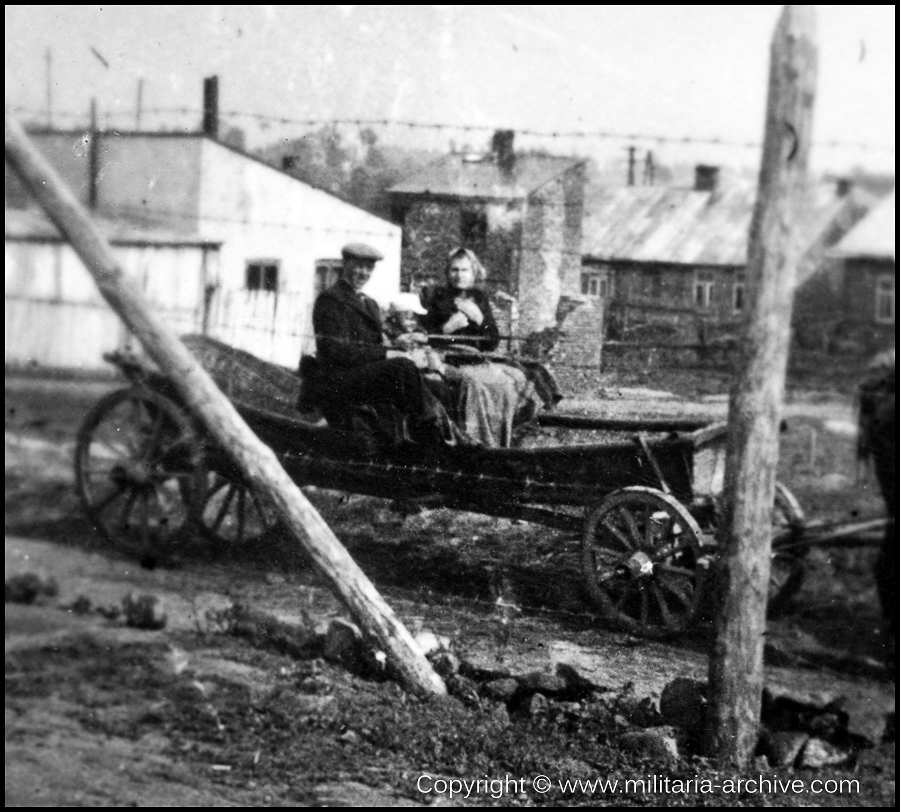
[441, 305]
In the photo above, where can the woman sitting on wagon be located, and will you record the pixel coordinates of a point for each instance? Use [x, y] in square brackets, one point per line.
[485, 397]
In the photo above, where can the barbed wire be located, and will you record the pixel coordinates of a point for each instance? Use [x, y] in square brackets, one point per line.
[505, 605]
[500, 605]
[516, 346]
[600, 134]
[172, 216]
[177, 219]
[165, 217]
[533, 201]
[654, 284]
[157, 217]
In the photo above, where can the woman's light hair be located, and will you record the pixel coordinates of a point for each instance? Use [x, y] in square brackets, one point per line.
[477, 267]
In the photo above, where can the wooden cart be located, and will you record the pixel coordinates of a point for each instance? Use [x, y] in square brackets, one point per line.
[646, 504]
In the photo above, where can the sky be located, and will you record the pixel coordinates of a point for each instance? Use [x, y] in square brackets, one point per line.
[650, 72]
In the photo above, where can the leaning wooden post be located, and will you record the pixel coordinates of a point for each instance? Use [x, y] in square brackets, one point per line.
[736, 663]
[255, 460]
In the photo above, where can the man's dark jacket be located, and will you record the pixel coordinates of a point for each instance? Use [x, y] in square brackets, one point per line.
[348, 330]
[353, 368]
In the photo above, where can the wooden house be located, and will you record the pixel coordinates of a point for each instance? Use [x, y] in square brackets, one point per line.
[867, 281]
[669, 263]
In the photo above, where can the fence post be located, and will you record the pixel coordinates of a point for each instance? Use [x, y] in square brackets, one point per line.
[736, 663]
[254, 459]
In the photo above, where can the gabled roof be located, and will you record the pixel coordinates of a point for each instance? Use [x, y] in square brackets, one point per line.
[671, 225]
[684, 226]
[873, 236]
[467, 176]
[38, 132]
[828, 218]
[32, 225]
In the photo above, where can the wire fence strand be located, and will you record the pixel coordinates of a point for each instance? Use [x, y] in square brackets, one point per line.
[409, 124]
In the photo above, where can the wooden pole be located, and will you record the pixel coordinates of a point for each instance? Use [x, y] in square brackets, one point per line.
[139, 107]
[736, 666]
[94, 162]
[48, 59]
[255, 460]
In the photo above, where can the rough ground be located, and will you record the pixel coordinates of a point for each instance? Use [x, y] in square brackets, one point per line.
[236, 701]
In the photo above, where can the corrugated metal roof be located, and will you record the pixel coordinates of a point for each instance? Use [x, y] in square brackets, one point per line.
[683, 226]
[873, 236]
[33, 224]
[480, 177]
[664, 224]
[829, 217]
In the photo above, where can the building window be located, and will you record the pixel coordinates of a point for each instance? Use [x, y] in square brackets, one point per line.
[473, 226]
[884, 299]
[703, 288]
[399, 211]
[596, 283]
[262, 274]
[740, 292]
[327, 273]
[590, 284]
[651, 284]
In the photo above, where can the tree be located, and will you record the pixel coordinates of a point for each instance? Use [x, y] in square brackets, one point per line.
[357, 169]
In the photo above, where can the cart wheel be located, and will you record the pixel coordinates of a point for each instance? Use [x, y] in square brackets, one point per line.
[230, 515]
[137, 468]
[640, 552]
[786, 565]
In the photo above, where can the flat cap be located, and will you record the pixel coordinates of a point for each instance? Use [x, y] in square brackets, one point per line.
[359, 250]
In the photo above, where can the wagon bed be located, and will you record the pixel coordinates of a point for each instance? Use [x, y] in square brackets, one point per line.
[646, 507]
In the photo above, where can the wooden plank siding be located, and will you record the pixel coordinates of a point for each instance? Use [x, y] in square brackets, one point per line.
[274, 326]
[55, 317]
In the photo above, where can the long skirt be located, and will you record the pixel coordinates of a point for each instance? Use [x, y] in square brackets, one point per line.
[487, 398]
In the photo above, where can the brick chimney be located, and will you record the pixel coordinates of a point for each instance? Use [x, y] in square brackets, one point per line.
[502, 149]
[844, 187]
[211, 106]
[706, 178]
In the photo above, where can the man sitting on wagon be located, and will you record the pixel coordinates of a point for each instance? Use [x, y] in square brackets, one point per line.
[359, 379]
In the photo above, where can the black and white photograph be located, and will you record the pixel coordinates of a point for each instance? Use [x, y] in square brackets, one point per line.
[464, 406]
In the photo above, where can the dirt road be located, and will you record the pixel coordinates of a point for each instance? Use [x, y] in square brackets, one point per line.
[206, 711]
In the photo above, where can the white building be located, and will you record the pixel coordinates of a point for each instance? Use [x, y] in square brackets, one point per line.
[55, 315]
[210, 230]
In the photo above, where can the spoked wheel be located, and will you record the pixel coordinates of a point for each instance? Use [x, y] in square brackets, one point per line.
[137, 468]
[230, 514]
[640, 552]
[786, 567]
